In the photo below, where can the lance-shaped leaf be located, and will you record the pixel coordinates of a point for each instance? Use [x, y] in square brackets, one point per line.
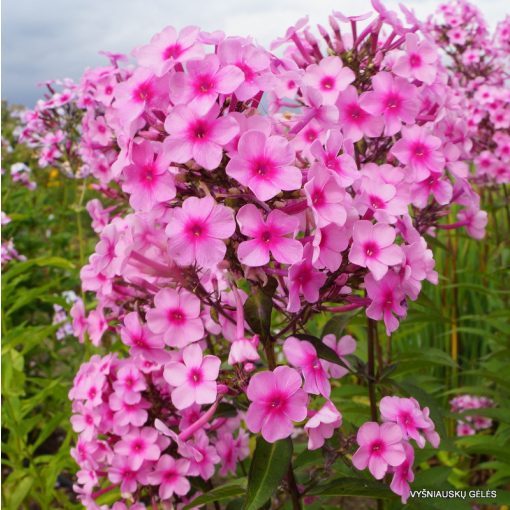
[350, 486]
[221, 493]
[258, 308]
[269, 465]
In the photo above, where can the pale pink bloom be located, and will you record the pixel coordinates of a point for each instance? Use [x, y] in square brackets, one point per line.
[325, 197]
[303, 355]
[229, 452]
[96, 326]
[194, 379]
[403, 474]
[421, 151]
[407, 414]
[264, 164]
[168, 48]
[198, 135]
[85, 421]
[387, 298]
[418, 266]
[139, 445]
[304, 279]
[170, 475]
[328, 244]
[99, 131]
[130, 383]
[329, 77]
[418, 61]
[243, 350]
[373, 247]
[251, 60]
[141, 341]
[100, 216]
[475, 221]
[205, 457]
[343, 166]
[79, 318]
[381, 198]
[277, 400]
[393, 98]
[441, 190]
[322, 425]
[142, 89]
[148, 180]
[346, 345]
[269, 237]
[380, 446]
[204, 81]
[128, 472]
[356, 122]
[196, 231]
[129, 414]
[176, 315]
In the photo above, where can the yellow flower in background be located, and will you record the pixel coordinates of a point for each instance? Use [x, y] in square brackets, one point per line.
[53, 176]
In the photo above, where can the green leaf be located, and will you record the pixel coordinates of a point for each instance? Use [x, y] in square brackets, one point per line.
[258, 309]
[227, 491]
[336, 325]
[17, 492]
[349, 486]
[269, 465]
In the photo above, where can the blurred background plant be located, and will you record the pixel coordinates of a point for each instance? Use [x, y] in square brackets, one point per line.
[40, 261]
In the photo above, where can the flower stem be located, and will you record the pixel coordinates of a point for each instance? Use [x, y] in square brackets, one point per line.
[371, 368]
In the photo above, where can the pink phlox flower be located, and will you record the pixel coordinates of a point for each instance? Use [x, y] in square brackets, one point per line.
[343, 165]
[343, 347]
[322, 425]
[243, 350]
[355, 121]
[407, 414]
[434, 184]
[380, 446]
[304, 279]
[170, 475]
[475, 221]
[100, 216]
[277, 401]
[130, 383]
[198, 135]
[269, 237]
[209, 457]
[403, 474]
[141, 340]
[325, 197]
[167, 48]
[253, 61]
[328, 244]
[127, 471]
[387, 297]
[264, 164]
[204, 81]
[148, 180]
[176, 315]
[418, 61]
[139, 445]
[373, 247]
[196, 232]
[128, 414]
[418, 266]
[329, 77]
[79, 320]
[138, 92]
[302, 355]
[85, 421]
[381, 199]
[194, 380]
[393, 98]
[96, 326]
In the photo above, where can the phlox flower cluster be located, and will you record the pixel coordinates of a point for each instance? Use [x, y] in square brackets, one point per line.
[310, 175]
[387, 448]
[470, 424]
[479, 65]
[20, 173]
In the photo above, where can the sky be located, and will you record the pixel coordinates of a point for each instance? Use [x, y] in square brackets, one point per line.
[47, 39]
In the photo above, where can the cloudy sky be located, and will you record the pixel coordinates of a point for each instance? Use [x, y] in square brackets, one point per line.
[44, 39]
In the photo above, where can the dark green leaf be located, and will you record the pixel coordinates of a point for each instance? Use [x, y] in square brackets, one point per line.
[269, 465]
[258, 309]
[348, 486]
